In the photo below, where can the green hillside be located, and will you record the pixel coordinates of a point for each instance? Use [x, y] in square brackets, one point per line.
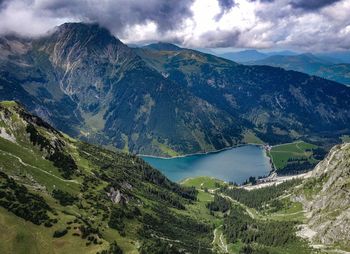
[295, 157]
[60, 195]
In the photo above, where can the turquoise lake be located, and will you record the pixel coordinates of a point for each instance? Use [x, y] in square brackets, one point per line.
[235, 164]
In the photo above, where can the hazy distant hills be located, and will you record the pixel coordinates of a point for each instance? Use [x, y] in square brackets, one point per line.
[253, 55]
[332, 65]
[310, 64]
[244, 56]
[162, 99]
[304, 63]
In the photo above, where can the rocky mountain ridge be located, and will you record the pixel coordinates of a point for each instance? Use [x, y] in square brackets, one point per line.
[164, 100]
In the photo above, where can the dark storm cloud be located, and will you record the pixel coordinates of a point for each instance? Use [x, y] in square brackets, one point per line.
[2, 3]
[310, 5]
[117, 14]
[221, 39]
[262, 1]
[113, 14]
[300, 24]
[226, 4]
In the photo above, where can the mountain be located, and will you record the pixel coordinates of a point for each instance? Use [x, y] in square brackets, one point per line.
[281, 53]
[162, 99]
[310, 64]
[244, 56]
[60, 195]
[247, 56]
[337, 72]
[207, 51]
[273, 104]
[325, 196]
[162, 46]
[340, 56]
[307, 63]
[88, 84]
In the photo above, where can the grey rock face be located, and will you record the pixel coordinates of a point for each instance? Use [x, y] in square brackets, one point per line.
[329, 207]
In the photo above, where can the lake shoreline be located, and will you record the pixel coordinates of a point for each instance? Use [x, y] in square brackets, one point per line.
[239, 158]
[199, 153]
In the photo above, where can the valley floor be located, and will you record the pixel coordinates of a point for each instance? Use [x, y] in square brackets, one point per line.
[208, 187]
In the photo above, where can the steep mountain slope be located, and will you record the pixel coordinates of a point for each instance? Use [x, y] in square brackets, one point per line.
[309, 64]
[59, 195]
[326, 197]
[277, 105]
[87, 83]
[163, 100]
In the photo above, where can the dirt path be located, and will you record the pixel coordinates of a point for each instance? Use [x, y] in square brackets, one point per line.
[222, 244]
[44, 171]
[219, 239]
[236, 202]
[295, 142]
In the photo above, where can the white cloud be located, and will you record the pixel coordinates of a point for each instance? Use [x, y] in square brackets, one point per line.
[298, 24]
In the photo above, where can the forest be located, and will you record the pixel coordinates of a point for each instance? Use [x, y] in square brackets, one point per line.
[257, 198]
[238, 225]
[219, 204]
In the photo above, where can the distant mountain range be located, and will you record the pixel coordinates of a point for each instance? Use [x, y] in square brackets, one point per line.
[253, 55]
[310, 64]
[162, 99]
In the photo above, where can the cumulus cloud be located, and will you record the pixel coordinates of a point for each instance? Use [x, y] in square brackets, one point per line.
[294, 24]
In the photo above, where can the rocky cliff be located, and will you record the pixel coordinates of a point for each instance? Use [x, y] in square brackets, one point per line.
[326, 198]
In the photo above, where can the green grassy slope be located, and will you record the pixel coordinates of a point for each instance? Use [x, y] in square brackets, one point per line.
[295, 157]
[70, 181]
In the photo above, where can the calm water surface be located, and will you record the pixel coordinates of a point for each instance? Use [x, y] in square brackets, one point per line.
[235, 164]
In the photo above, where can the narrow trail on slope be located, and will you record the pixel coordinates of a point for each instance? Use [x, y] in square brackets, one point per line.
[223, 245]
[220, 243]
[44, 171]
[236, 202]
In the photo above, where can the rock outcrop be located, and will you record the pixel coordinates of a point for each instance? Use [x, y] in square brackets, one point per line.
[327, 198]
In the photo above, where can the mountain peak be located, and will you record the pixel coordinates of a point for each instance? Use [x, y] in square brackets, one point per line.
[80, 26]
[163, 46]
[91, 33]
